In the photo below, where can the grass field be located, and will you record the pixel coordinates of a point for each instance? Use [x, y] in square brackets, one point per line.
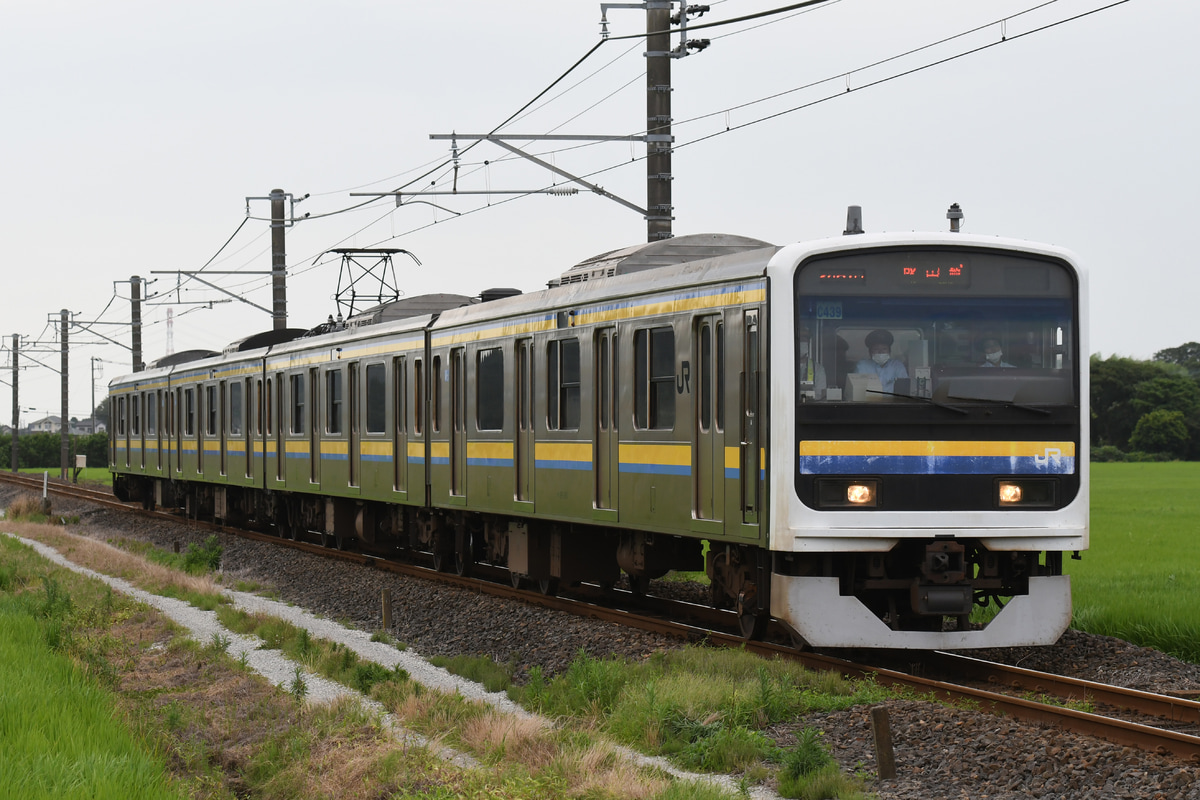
[88, 475]
[1140, 580]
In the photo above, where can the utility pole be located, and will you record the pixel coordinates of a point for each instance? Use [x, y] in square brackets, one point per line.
[278, 261]
[65, 452]
[135, 318]
[16, 426]
[658, 121]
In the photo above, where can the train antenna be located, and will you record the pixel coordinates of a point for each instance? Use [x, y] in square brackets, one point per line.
[955, 215]
[853, 220]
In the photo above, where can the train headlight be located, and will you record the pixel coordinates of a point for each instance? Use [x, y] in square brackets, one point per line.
[1026, 493]
[848, 492]
[860, 494]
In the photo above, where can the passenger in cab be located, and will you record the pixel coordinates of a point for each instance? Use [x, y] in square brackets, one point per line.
[812, 374]
[881, 363]
[993, 356]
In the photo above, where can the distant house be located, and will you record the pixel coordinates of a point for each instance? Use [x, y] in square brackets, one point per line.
[46, 425]
[86, 427]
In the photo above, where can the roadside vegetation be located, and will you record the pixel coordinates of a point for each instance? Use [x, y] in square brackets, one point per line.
[219, 731]
[1140, 580]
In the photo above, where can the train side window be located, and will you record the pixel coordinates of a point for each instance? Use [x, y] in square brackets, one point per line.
[333, 401]
[120, 416]
[436, 379]
[135, 405]
[376, 398]
[235, 408]
[297, 388]
[211, 409]
[418, 397]
[189, 412]
[562, 385]
[489, 389]
[654, 378]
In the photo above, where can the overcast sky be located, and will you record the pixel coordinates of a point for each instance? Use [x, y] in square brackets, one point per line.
[133, 132]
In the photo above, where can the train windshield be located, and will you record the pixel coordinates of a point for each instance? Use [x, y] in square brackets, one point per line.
[936, 325]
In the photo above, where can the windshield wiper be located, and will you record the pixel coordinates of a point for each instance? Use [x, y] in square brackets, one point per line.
[929, 400]
[1005, 403]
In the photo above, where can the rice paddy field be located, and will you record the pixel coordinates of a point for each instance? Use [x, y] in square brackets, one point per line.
[1140, 580]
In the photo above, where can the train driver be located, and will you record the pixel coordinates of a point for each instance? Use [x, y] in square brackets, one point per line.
[881, 363]
[812, 374]
[993, 356]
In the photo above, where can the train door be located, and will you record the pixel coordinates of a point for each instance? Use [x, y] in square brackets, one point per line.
[751, 381]
[606, 456]
[458, 421]
[523, 452]
[353, 433]
[708, 373]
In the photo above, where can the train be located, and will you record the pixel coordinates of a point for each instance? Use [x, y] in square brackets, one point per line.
[824, 428]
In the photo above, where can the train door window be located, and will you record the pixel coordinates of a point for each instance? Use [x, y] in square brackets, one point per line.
[604, 411]
[489, 389]
[562, 385]
[333, 401]
[120, 416]
[436, 410]
[720, 376]
[135, 405]
[151, 416]
[297, 389]
[458, 389]
[276, 425]
[654, 378]
[189, 412]
[418, 397]
[210, 409]
[705, 377]
[235, 409]
[376, 398]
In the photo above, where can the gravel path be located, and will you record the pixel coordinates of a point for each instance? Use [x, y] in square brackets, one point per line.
[940, 752]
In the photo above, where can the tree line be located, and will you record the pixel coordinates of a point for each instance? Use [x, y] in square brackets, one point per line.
[1147, 410]
[44, 450]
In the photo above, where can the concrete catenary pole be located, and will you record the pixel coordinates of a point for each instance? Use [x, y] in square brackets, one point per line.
[65, 452]
[658, 120]
[135, 318]
[16, 425]
[278, 261]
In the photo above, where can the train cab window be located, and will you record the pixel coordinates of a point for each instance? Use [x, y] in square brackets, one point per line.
[376, 398]
[211, 409]
[930, 326]
[189, 412]
[333, 401]
[654, 379]
[297, 389]
[562, 385]
[235, 409]
[489, 389]
[151, 416]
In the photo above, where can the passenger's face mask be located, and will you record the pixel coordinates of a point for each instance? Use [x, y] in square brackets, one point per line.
[804, 349]
[994, 358]
[881, 358]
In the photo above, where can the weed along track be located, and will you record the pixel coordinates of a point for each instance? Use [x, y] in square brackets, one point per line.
[941, 749]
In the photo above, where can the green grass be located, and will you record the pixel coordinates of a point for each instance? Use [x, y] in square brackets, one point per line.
[87, 475]
[59, 731]
[1140, 579]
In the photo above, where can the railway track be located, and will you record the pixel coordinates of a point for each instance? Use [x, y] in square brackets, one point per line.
[1151, 722]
